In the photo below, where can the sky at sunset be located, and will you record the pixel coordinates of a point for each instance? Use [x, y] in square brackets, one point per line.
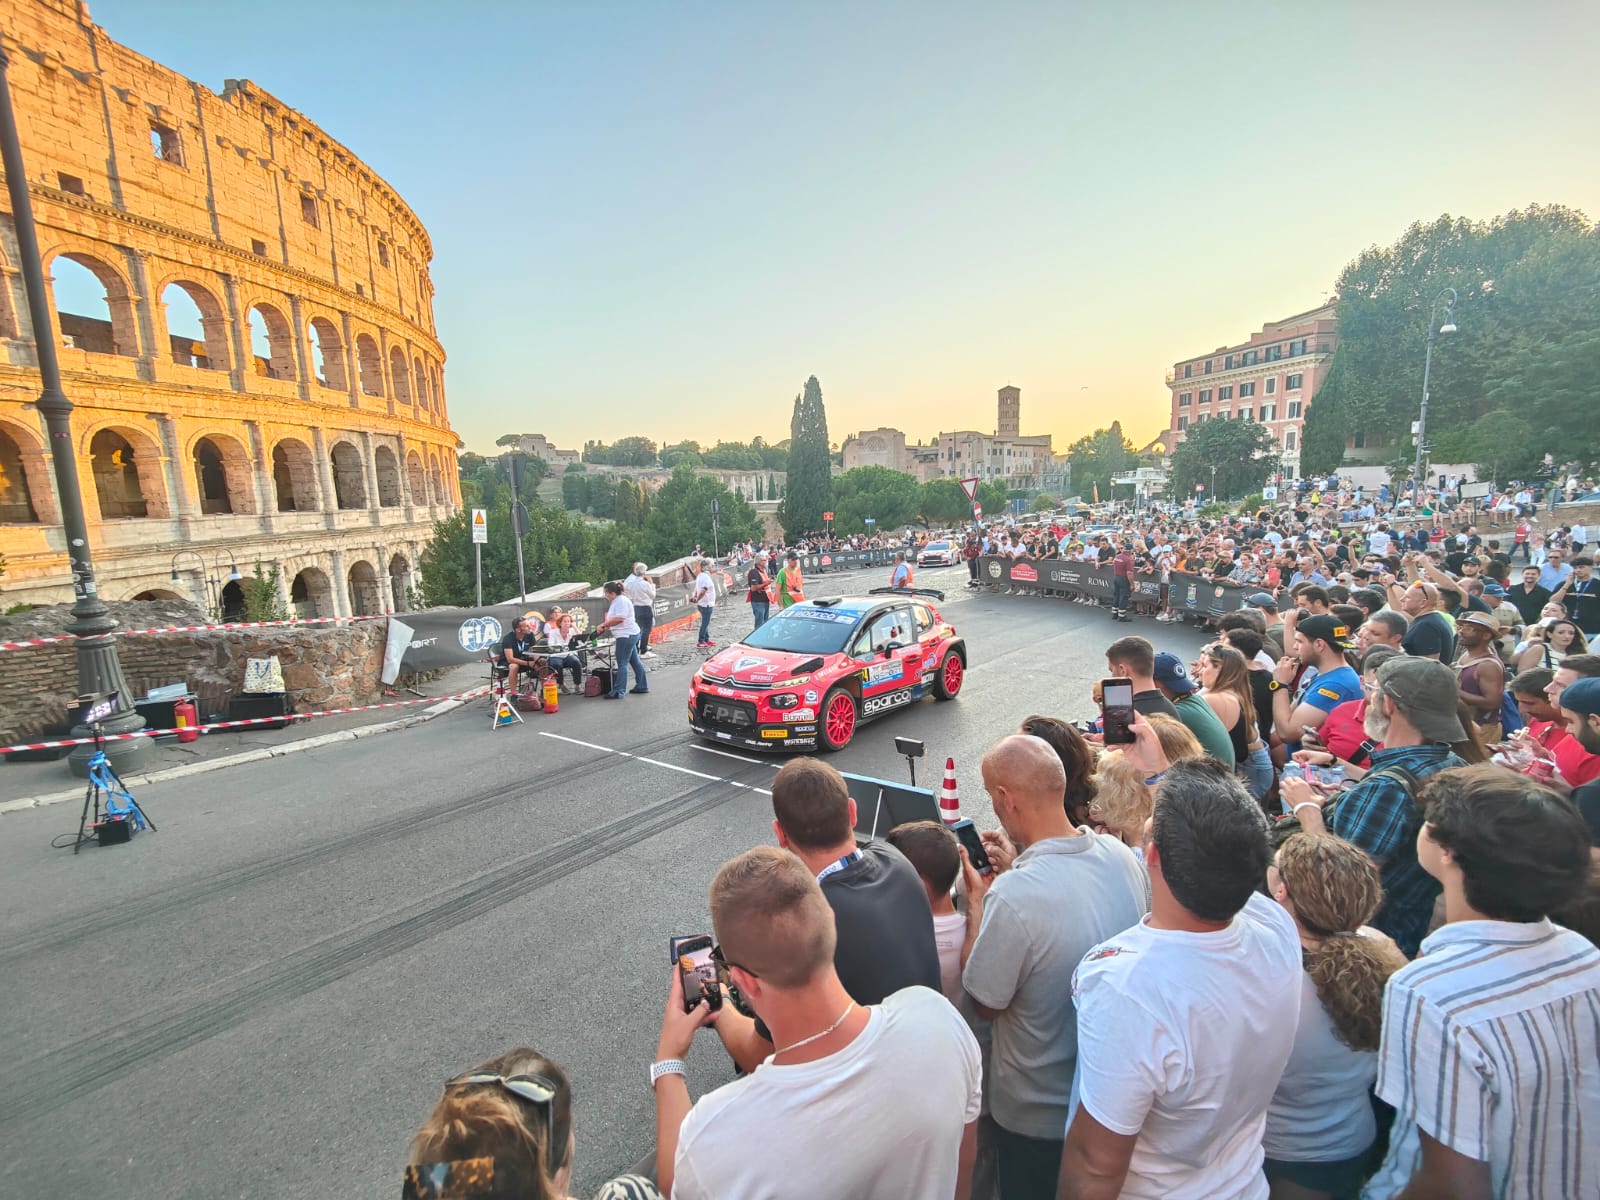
[661, 218]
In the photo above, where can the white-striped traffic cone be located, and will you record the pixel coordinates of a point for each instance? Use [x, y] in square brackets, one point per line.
[949, 802]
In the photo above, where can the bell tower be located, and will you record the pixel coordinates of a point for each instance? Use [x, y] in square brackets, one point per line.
[1010, 425]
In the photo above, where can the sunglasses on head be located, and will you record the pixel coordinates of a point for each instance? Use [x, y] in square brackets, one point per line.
[722, 965]
[538, 1090]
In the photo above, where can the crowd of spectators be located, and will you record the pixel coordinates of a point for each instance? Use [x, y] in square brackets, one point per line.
[1326, 927]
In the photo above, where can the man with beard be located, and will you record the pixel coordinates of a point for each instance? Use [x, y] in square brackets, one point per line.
[1580, 706]
[1412, 712]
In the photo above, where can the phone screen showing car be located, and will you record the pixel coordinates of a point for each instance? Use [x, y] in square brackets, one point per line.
[695, 968]
[967, 832]
[1116, 703]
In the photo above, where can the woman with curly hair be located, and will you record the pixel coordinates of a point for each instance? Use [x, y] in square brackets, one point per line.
[1077, 760]
[504, 1132]
[1122, 803]
[1320, 1125]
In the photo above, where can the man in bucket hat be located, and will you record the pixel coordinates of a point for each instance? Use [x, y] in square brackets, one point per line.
[1411, 710]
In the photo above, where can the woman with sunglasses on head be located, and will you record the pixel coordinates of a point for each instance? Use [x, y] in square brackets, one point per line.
[504, 1132]
[1224, 676]
[1320, 1124]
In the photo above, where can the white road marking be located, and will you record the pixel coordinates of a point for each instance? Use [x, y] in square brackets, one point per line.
[759, 762]
[656, 762]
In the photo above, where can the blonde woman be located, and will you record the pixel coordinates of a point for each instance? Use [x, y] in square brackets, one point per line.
[1320, 1125]
[1122, 802]
[504, 1129]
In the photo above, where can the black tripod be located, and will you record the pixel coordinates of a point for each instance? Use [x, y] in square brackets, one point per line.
[121, 817]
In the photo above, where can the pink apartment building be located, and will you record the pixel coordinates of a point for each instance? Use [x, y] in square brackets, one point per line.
[1270, 378]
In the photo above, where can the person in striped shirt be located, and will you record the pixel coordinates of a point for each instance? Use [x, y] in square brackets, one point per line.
[1491, 1039]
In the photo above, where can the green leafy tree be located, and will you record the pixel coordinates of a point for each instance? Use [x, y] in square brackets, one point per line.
[1098, 456]
[943, 502]
[261, 600]
[680, 516]
[772, 487]
[575, 493]
[1499, 444]
[809, 491]
[679, 454]
[557, 547]
[603, 496]
[891, 498]
[992, 499]
[776, 456]
[1526, 342]
[507, 439]
[1241, 451]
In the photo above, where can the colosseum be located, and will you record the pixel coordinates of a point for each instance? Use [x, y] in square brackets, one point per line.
[246, 328]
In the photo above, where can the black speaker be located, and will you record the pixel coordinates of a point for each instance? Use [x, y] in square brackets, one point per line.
[260, 704]
[113, 832]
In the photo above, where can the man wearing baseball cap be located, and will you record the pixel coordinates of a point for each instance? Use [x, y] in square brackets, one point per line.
[1580, 706]
[1267, 603]
[1412, 711]
[1173, 678]
[1319, 643]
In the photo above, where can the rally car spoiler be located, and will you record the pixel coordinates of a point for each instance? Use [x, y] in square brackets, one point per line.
[903, 591]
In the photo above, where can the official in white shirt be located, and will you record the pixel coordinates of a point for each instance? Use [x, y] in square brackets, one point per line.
[641, 593]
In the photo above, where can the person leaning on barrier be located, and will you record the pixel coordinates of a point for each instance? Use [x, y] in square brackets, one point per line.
[871, 1102]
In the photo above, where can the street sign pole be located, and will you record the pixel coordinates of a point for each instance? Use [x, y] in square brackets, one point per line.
[480, 535]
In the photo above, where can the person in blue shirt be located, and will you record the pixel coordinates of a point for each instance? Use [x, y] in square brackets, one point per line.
[1555, 571]
[1326, 680]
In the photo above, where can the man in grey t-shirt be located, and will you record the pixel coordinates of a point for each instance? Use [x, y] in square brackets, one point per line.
[1027, 929]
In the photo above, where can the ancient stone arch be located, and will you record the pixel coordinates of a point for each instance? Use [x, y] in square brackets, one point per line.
[310, 593]
[400, 374]
[349, 476]
[387, 470]
[424, 392]
[400, 581]
[223, 473]
[126, 464]
[329, 362]
[210, 350]
[115, 330]
[366, 598]
[271, 341]
[371, 364]
[416, 477]
[26, 496]
[294, 476]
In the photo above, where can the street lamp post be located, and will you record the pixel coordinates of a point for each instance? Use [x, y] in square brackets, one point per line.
[214, 580]
[1213, 483]
[99, 669]
[1449, 326]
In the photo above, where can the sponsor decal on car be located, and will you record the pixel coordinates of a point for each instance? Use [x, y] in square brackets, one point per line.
[877, 704]
[722, 691]
[744, 664]
[798, 729]
[931, 661]
[884, 672]
[775, 733]
[801, 714]
[810, 697]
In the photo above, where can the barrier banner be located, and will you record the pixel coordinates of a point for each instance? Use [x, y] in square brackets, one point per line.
[1206, 597]
[1094, 580]
[447, 637]
[853, 560]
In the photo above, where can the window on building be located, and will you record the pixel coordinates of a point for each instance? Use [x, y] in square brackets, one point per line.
[1246, 389]
[1250, 359]
[1274, 353]
[70, 183]
[1208, 366]
[1246, 414]
[1269, 412]
[1227, 363]
[1359, 440]
[1297, 347]
[1291, 383]
[1294, 410]
[308, 210]
[1288, 440]
[1188, 370]
[1205, 396]
[1183, 422]
[361, 290]
[1272, 384]
[1225, 392]
[1223, 415]
[257, 246]
[383, 253]
[1185, 399]
[165, 144]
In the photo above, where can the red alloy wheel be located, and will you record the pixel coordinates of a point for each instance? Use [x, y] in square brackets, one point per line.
[838, 720]
[952, 673]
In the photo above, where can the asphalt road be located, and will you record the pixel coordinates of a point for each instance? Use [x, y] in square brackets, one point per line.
[264, 998]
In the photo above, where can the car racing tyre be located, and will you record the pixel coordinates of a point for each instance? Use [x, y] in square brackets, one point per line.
[837, 721]
[951, 675]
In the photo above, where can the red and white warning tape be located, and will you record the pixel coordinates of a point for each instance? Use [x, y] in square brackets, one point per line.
[473, 694]
[72, 637]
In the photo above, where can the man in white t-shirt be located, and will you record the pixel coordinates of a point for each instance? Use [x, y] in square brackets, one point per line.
[1068, 889]
[704, 595]
[875, 1103]
[1186, 1020]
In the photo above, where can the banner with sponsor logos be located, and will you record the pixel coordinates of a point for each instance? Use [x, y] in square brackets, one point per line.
[446, 637]
[1185, 593]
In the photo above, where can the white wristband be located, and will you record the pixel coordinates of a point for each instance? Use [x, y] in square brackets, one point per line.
[1308, 804]
[668, 1066]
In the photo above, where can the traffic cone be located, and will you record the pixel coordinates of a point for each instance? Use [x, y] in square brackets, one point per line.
[949, 802]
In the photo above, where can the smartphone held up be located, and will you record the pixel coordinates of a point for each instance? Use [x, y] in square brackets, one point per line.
[1116, 707]
[697, 970]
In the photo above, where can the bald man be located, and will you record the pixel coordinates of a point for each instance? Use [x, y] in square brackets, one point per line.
[1068, 889]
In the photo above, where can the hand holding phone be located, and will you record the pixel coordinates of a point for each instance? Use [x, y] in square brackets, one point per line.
[692, 954]
[967, 833]
[1116, 706]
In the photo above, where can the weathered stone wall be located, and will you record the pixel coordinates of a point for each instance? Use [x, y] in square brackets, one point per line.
[303, 425]
[324, 666]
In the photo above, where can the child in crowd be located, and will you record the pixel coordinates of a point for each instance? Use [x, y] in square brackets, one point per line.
[933, 851]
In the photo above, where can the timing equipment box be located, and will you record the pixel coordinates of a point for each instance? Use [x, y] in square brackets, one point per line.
[260, 704]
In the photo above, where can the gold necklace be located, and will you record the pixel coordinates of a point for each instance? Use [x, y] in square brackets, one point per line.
[817, 1037]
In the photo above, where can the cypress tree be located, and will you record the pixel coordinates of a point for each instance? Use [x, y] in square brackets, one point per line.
[809, 490]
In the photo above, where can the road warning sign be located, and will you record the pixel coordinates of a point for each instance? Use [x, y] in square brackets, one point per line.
[480, 526]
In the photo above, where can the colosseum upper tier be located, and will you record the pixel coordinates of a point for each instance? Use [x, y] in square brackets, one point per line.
[245, 322]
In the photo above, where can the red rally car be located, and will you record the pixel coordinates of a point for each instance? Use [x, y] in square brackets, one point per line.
[816, 670]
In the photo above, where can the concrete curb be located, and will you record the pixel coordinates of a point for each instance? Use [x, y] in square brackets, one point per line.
[250, 756]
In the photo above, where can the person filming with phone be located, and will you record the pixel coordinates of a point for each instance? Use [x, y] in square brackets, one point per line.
[810, 1121]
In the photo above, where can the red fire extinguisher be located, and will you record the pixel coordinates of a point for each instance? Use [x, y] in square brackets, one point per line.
[552, 696]
[185, 718]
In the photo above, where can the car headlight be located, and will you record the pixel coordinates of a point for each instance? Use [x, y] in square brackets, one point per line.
[785, 700]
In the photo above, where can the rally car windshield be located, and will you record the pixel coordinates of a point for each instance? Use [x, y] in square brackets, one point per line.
[804, 631]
